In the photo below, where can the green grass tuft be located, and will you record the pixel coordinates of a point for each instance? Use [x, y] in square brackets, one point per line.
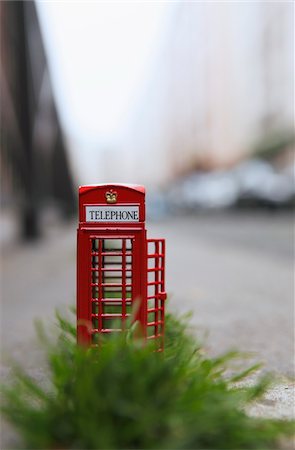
[124, 396]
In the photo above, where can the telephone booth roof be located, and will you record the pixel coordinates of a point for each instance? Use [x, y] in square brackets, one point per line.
[123, 195]
[89, 187]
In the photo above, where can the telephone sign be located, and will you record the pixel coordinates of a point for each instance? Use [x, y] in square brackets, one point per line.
[118, 268]
[112, 214]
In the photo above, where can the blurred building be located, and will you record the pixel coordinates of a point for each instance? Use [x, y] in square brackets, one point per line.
[222, 83]
[35, 168]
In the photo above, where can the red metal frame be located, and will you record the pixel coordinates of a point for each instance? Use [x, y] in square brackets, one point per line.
[116, 267]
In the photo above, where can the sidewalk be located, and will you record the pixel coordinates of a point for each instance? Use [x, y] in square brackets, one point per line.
[241, 294]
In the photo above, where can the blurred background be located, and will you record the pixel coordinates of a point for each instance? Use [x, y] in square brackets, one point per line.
[193, 100]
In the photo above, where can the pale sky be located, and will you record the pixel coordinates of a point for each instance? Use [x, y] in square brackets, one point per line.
[99, 55]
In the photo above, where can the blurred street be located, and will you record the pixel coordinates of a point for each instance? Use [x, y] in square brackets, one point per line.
[234, 272]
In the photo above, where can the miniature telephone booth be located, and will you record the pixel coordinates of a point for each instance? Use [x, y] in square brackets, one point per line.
[119, 270]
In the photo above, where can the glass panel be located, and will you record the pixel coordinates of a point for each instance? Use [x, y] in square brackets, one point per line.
[111, 278]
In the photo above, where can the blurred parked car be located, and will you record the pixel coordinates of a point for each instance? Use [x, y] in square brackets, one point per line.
[260, 183]
[254, 182]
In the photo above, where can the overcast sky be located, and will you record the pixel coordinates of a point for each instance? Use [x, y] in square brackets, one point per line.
[99, 55]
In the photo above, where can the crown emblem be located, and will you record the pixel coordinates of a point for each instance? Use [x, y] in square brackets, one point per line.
[111, 196]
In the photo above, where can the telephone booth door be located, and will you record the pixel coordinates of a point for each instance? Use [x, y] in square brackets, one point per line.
[112, 288]
[156, 294]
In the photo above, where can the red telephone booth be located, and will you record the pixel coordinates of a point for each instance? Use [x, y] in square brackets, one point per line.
[117, 266]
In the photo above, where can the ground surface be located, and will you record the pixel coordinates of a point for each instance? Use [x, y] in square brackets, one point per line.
[235, 272]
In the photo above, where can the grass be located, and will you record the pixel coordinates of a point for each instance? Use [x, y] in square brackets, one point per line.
[124, 396]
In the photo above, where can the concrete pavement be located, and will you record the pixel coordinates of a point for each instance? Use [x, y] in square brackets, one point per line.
[235, 272]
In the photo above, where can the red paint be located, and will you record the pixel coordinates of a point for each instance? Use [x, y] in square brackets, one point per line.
[118, 268]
